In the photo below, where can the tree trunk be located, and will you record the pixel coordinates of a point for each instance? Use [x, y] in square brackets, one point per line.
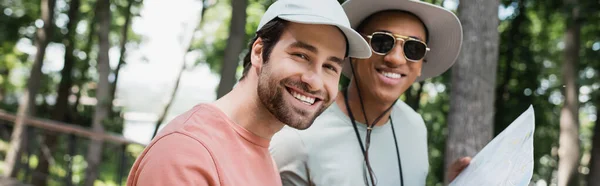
[235, 44]
[64, 91]
[593, 179]
[470, 119]
[103, 96]
[84, 68]
[568, 152]
[187, 46]
[4, 74]
[124, 34]
[27, 103]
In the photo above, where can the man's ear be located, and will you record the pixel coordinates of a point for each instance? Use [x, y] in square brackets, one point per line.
[256, 53]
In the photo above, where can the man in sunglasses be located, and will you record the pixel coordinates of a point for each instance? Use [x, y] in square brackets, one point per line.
[369, 137]
[290, 76]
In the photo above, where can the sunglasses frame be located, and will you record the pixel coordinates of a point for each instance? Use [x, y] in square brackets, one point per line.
[396, 38]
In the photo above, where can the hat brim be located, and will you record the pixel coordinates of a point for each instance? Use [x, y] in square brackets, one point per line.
[357, 45]
[445, 30]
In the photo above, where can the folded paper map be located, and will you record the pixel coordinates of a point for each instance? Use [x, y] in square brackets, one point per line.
[507, 160]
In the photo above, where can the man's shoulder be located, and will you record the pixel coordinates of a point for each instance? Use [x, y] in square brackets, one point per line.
[404, 112]
[199, 127]
[405, 109]
[169, 157]
[179, 140]
[329, 124]
[287, 143]
[196, 122]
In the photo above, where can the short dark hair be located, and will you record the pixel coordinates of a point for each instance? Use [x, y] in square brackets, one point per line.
[270, 34]
[364, 22]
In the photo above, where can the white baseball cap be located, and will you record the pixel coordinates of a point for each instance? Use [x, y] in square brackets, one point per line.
[444, 28]
[326, 12]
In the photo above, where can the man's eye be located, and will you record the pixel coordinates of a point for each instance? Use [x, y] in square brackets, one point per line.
[300, 56]
[330, 67]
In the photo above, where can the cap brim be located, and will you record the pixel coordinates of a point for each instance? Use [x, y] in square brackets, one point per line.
[445, 30]
[358, 46]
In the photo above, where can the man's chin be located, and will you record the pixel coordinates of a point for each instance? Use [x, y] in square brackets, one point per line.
[303, 119]
[302, 126]
[301, 123]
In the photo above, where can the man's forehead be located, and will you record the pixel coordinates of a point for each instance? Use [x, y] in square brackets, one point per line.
[312, 35]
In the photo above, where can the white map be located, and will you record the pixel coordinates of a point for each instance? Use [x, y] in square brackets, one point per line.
[507, 160]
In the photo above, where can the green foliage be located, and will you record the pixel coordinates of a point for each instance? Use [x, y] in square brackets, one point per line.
[530, 57]
[528, 54]
[531, 48]
[215, 31]
[15, 16]
[434, 109]
[16, 22]
[18, 25]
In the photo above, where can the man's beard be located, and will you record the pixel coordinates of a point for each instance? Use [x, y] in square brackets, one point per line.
[270, 93]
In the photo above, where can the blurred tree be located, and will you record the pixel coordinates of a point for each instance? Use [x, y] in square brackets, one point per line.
[212, 46]
[59, 112]
[28, 100]
[17, 15]
[82, 69]
[568, 151]
[103, 90]
[122, 48]
[590, 37]
[234, 47]
[470, 121]
[593, 178]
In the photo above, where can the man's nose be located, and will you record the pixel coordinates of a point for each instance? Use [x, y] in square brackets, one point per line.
[396, 56]
[313, 79]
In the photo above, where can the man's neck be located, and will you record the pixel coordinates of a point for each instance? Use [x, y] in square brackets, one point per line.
[373, 108]
[243, 107]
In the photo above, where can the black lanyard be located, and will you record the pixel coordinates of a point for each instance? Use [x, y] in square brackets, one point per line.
[361, 143]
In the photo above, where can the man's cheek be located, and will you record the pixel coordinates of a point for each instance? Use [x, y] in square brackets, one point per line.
[332, 88]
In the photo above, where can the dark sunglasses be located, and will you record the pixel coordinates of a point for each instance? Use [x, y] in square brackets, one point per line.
[383, 42]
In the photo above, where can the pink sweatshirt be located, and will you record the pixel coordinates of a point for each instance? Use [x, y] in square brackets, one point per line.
[204, 147]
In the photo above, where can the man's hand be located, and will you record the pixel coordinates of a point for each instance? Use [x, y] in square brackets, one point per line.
[457, 167]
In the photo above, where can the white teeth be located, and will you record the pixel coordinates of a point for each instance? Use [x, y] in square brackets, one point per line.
[304, 99]
[391, 75]
[311, 100]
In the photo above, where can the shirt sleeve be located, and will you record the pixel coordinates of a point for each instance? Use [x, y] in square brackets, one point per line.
[177, 159]
[290, 155]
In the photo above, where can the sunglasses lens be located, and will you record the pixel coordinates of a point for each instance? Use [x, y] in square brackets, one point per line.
[382, 43]
[414, 50]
